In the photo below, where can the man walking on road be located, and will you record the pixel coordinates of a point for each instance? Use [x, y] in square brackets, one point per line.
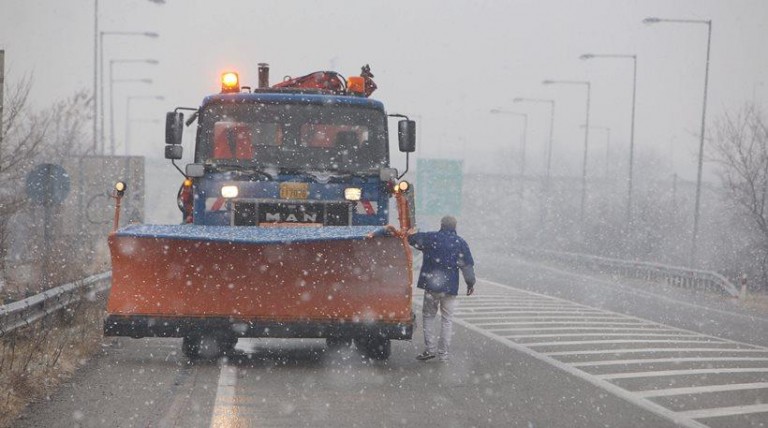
[445, 253]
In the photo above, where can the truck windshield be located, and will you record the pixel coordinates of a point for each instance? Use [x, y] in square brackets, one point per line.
[293, 137]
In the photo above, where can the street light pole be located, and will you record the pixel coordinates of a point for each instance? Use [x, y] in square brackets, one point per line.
[551, 130]
[633, 57]
[696, 211]
[128, 117]
[523, 139]
[101, 72]
[95, 74]
[607, 131]
[586, 138]
[112, 81]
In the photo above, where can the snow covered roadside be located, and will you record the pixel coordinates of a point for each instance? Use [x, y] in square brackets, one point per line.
[34, 360]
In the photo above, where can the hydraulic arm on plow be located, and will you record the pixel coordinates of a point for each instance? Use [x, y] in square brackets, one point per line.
[285, 224]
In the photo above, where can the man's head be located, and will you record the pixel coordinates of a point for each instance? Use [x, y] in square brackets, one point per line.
[448, 223]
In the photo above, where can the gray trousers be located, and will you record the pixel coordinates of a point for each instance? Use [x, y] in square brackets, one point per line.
[447, 305]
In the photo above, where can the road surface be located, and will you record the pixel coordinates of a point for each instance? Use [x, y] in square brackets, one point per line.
[537, 346]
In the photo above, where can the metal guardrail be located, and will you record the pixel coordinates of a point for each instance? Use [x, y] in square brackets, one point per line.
[672, 275]
[28, 311]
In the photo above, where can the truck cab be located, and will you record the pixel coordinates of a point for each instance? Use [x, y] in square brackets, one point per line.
[288, 156]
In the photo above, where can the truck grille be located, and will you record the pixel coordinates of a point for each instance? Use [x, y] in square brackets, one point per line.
[250, 213]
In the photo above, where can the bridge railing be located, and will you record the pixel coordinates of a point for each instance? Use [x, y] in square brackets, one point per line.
[672, 275]
[28, 311]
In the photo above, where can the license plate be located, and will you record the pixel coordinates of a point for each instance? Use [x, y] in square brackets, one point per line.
[294, 190]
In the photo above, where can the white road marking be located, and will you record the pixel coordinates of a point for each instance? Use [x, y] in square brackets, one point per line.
[664, 360]
[585, 329]
[518, 326]
[523, 312]
[547, 317]
[600, 383]
[619, 315]
[686, 372]
[602, 334]
[224, 413]
[702, 389]
[468, 308]
[653, 350]
[726, 411]
[601, 323]
[616, 341]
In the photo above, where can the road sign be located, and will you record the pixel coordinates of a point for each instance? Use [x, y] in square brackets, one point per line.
[439, 184]
[48, 184]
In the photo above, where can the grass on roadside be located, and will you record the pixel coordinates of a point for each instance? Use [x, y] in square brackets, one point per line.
[36, 359]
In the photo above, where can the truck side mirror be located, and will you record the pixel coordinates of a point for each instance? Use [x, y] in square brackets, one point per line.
[406, 134]
[174, 127]
[173, 151]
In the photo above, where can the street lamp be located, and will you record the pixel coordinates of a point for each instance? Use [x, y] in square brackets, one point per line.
[149, 34]
[128, 115]
[551, 130]
[524, 138]
[607, 131]
[96, 69]
[633, 57]
[112, 81]
[586, 137]
[708, 23]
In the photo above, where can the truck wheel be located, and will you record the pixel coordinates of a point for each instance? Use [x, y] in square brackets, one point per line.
[208, 346]
[227, 345]
[337, 343]
[190, 347]
[375, 348]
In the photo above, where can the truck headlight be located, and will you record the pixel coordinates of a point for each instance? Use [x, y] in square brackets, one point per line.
[229, 192]
[353, 193]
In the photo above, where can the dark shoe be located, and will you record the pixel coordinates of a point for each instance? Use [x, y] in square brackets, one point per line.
[424, 356]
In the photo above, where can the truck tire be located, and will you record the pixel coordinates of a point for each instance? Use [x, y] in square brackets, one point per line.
[337, 343]
[190, 347]
[376, 348]
[208, 346]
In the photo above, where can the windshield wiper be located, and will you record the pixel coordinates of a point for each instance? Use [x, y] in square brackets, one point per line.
[358, 174]
[240, 168]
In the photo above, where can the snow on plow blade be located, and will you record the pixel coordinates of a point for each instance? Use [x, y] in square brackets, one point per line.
[283, 282]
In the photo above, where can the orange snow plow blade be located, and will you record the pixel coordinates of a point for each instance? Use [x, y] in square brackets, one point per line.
[280, 282]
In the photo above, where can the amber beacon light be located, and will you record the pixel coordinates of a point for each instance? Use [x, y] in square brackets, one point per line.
[230, 82]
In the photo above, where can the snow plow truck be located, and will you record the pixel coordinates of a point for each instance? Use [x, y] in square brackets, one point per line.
[285, 226]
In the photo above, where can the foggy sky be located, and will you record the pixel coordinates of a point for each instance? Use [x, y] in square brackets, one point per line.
[446, 62]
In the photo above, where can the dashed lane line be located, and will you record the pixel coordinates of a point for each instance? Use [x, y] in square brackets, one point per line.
[225, 414]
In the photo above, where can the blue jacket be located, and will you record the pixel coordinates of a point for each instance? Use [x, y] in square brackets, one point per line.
[444, 254]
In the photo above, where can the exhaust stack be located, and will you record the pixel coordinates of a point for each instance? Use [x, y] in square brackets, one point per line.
[263, 75]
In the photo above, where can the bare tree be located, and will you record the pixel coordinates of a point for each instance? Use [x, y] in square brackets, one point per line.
[740, 145]
[24, 135]
[30, 138]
